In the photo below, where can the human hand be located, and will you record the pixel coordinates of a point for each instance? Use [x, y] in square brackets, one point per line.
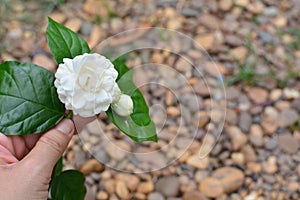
[26, 162]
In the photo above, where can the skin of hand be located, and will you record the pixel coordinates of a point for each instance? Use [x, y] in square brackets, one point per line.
[26, 162]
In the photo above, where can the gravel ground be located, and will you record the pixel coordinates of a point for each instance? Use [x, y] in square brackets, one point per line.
[252, 47]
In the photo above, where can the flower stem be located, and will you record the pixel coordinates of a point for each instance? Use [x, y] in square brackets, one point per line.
[69, 115]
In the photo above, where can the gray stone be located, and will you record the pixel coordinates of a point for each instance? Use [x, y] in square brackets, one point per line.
[271, 144]
[155, 196]
[168, 186]
[287, 118]
[245, 121]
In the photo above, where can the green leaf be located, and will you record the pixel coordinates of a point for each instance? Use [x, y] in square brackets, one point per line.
[63, 42]
[29, 101]
[69, 185]
[138, 126]
[57, 168]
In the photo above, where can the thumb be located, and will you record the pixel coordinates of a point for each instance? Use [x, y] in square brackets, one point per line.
[50, 147]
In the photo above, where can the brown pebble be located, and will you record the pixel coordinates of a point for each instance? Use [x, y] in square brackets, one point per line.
[90, 166]
[211, 187]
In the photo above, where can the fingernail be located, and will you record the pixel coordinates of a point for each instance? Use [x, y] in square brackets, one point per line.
[66, 126]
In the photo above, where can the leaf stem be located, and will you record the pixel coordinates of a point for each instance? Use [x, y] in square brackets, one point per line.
[69, 115]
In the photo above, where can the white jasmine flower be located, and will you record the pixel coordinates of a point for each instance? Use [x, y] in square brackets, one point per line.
[87, 84]
[124, 106]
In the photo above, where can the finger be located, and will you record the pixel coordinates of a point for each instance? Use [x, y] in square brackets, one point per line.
[6, 157]
[51, 146]
[80, 122]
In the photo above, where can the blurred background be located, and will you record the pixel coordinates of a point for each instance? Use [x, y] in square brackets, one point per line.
[255, 45]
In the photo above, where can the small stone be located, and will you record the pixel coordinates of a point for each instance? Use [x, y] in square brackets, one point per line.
[157, 57]
[155, 196]
[58, 17]
[280, 21]
[270, 166]
[231, 178]
[288, 143]
[95, 8]
[287, 118]
[122, 190]
[298, 170]
[256, 7]
[131, 181]
[201, 88]
[109, 186]
[293, 186]
[245, 121]
[183, 65]
[74, 24]
[289, 93]
[194, 195]
[145, 187]
[211, 187]
[197, 162]
[254, 167]
[114, 152]
[90, 166]
[168, 186]
[173, 111]
[256, 135]
[215, 69]
[238, 139]
[225, 5]
[44, 61]
[258, 95]
[204, 40]
[239, 53]
[238, 158]
[271, 144]
[101, 195]
[95, 36]
[275, 94]
[242, 3]
[203, 119]
[249, 152]
[209, 21]
[233, 40]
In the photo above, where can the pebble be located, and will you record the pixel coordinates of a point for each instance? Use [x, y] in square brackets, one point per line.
[194, 195]
[275, 94]
[209, 21]
[58, 17]
[131, 181]
[231, 178]
[90, 166]
[114, 152]
[183, 65]
[101, 195]
[280, 21]
[249, 152]
[155, 196]
[215, 69]
[211, 187]
[195, 161]
[121, 190]
[258, 95]
[225, 5]
[44, 61]
[287, 118]
[271, 144]
[239, 53]
[205, 41]
[290, 93]
[201, 88]
[189, 12]
[173, 111]
[238, 139]
[242, 3]
[245, 121]
[145, 187]
[288, 143]
[270, 166]
[74, 24]
[256, 135]
[168, 186]
[95, 8]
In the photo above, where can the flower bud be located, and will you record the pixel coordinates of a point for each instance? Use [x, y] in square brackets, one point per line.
[124, 106]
